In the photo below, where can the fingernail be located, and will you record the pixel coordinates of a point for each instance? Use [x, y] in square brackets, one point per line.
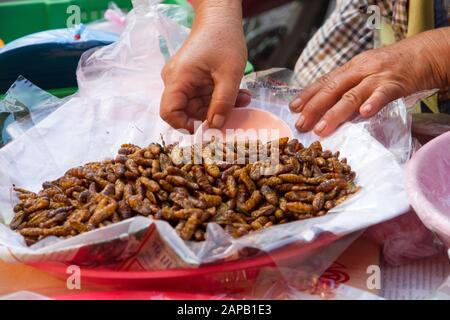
[367, 108]
[218, 121]
[296, 103]
[320, 126]
[300, 121]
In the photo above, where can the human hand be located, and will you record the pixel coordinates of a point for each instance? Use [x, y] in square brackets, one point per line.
[202, 79]
[372, 79]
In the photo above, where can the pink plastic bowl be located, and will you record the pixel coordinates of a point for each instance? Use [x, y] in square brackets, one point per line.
[428, 185]
[248, 121]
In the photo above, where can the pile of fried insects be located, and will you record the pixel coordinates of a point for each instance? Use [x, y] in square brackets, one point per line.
[240, 195]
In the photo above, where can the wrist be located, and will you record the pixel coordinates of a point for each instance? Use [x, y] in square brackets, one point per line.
[227, 4]
[436, 48]
[228, 12]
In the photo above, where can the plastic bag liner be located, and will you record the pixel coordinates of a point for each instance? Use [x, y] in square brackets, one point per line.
[120, 88]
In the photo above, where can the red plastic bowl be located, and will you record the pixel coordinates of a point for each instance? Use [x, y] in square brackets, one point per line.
[232, 276]
[428, 185]
[138, 295]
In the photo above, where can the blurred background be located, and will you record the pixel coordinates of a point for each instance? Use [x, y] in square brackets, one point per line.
[276, 33]
[276, 30]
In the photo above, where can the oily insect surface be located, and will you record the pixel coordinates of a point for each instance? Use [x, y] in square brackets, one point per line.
[238, 195]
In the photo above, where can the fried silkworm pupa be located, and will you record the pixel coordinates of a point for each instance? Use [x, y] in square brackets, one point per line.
[211, 200]
[238, 193]
[259, 222]
[264, 211]
[201, 179]
[231, 187]
[213, 170]
[329, 185]
[249, 184]
[300, 207]
[103, 211]
[254, 200]
[196, 218]
[318, 201]
[270, 195]
[302, 196]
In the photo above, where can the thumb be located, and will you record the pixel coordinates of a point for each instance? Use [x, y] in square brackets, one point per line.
[222, 101]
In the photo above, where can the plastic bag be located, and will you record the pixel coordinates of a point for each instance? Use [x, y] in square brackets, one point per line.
[23, 106]
[114, 20]
[120, 87]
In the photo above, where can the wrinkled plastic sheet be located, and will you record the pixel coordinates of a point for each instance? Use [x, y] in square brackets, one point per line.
[118, 102]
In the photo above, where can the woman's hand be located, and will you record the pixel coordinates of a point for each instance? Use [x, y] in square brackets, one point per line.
[202, 79]
[374, 78]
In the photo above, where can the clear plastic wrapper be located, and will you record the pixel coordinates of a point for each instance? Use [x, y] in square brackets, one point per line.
[118, 102]
[23, 106]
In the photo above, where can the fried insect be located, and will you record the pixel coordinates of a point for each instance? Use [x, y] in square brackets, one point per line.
[196, 218]
[231, 187]
[300, 207]
[304, 196]
[240, 194]
[264, 211]
[104, 210]
[201, 179]
[318, 201]
[245, 179]
[254, 200]
[270, 195]
[213, 170]
[328, 185]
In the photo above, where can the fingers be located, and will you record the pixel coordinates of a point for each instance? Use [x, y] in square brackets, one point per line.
[172, 109]
[380, 98]
[329, 82]
[331, 90]
[243, 99]
[344, 109]
[222, 101]
[198, 107]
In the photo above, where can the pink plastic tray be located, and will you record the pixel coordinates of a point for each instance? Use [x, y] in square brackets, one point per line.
[428, 185]
[246, 119]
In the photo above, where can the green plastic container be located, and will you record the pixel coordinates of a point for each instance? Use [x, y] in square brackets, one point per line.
[19, 18]
[23, 17]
